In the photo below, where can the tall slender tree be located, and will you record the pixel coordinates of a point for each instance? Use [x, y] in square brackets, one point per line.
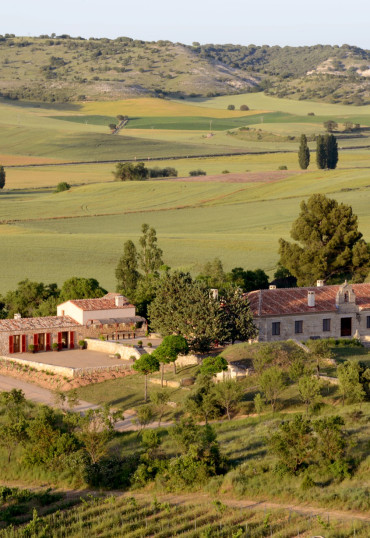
[2, 177]
[150, 255]
[127, 273]
[331, 147]
[303, 153]
[321, 158]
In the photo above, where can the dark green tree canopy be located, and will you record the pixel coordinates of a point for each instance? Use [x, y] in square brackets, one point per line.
[321, 159]
[2, 177]
[131, 172]
[236, 320]
[28, 298]
[170, 348]
[331, 146]
[213, 365]
[81, 288]
[147, 364]
[331, 246]
[127, 273]
[185, 307]
[303, 153]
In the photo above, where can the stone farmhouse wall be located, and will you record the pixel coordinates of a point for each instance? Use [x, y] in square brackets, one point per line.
[74, 335]
[312, 326]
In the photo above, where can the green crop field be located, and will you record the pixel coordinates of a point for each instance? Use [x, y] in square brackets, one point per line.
[145, 515]
[50, 237]
[260, 101]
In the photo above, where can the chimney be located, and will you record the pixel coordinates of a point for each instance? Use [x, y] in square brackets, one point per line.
[119, 299]
[311, 298]
[272, 287]
[214, 293]
[17, 316]
[320, 283]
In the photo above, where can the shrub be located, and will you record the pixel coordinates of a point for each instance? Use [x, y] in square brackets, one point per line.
[283, 167]
[244, 107]
[82, 343]
[62, 186]
[230, 107]
[199, 172]
[225, 171]
[149, 344]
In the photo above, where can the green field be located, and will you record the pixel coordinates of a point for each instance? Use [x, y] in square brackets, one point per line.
[145, 515]
[50, 237]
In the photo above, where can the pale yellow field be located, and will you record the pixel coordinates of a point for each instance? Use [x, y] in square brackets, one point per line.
[16, 160]
[149, 106]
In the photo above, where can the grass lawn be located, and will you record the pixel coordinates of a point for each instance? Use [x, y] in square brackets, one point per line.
[128, 392]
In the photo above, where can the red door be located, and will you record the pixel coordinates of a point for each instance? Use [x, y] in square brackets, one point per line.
[11, 344]
[23, 348]
[60, 340]
[36, 341]
[72, 340]
[48, 341]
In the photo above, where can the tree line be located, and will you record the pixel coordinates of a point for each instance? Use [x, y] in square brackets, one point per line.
[326, 152]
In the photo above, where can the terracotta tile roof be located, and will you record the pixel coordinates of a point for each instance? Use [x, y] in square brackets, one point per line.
[45, 323]
[104, 303]
[285, 301]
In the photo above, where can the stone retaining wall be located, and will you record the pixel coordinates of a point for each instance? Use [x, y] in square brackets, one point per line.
[110, 348]
[61, 370]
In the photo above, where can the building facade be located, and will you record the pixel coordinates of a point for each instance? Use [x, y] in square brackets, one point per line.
[315, 312]
[109, 317]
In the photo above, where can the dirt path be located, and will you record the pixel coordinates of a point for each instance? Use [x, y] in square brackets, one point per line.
[44, 396]
[258, 505]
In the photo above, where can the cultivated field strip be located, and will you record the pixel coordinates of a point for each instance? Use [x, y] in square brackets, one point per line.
[130, 517]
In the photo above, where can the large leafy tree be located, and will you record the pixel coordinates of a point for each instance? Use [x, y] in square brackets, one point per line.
[331, 246]
[81, 288]
[236, 319]
[249, 280]
[185, 307]
[31, 299]
[130, 172]
[303, 153]
[127, 273]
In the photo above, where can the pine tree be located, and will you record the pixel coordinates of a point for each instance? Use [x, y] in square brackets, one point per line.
[331, 147]
[2, 177]
[303, 153]
[321, 157]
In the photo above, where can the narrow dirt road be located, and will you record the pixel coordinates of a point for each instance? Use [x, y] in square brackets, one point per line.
[342, 515]
[44, 396]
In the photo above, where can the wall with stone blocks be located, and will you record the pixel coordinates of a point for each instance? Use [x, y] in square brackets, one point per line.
[111, 348]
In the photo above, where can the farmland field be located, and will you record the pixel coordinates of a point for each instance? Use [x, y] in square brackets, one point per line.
[50, 237]
[145, 515]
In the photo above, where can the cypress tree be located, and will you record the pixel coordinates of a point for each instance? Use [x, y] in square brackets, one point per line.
[303, 153]
[321, 157]
[331, 151]
[2, 177]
